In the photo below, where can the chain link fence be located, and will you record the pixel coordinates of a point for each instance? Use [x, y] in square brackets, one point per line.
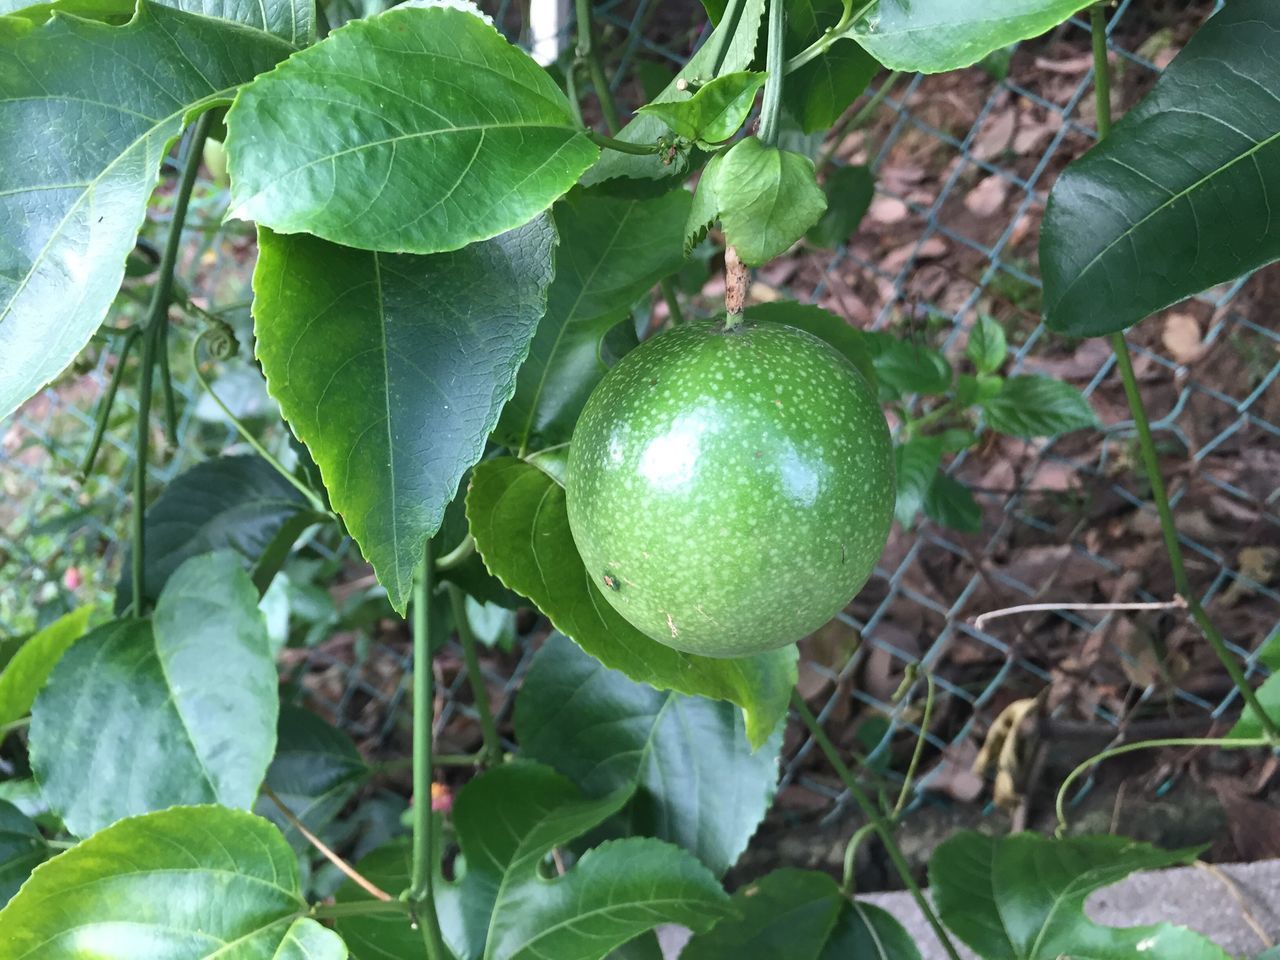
[964, 164]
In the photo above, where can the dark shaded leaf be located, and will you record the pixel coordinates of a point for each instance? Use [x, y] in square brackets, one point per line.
[916, 463]
[950, 503]
[849, 191]
[22, 849]
[903, 367]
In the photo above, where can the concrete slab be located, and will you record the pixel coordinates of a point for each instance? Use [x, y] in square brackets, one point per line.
[1194, 897]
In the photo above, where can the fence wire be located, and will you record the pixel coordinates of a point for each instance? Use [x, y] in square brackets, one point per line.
[60, 538]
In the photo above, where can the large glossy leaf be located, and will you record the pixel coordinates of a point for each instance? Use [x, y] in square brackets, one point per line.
[1022, 897]
[418, 131]
[612, 250]
[1182, 195]
[392, 369]
[22, 849]
[29, 667]
[818, 92]
[697, 781]
[932, 36]
[184, 884]
[87, 112]
[768, 199]
[179, 709]
[231, 503]
[801, 915]
[293, 21]
[518, 518]
[315, 771]
[736, 45]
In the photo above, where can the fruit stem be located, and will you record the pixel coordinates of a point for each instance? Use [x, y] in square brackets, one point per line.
[877, 823]
[157, 317]
[736, 280]
[1146, 443]
[421, 893]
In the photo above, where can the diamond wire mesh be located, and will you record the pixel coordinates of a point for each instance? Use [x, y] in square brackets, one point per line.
[49, 520]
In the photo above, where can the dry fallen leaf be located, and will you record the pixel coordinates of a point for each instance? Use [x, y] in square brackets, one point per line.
[887, 210]
[1259, 564]
[1007, 749]
[987, 197]
[1181, 337]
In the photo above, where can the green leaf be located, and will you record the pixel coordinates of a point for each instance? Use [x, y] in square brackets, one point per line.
[849, 191]
[393, 369]
[179, 709]
[802, 915]
[1034, 406]
[715, 112]
[916, 464]
[950, 503]
[87, 113]
[612, 250]
[824, 325]
[971, 390]
[29, 668]
[231, 503]
[1180, 195]
[1248, 726]
[903, 367]
[315, 771]
[188, 883]
[518, 518]
[22, 849]
[933, 36]
[987, 346]
[706, 205]
[768, 198]
[1022, 897]
[293, 21]
[737, 43]
[696, 781]
[820, 91]
[417, 131]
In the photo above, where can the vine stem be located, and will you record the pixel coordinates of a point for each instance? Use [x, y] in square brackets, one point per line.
[775, 63]
[107, 402]
[875, 821]
[421, 893]
[1146, 443]
[838, 32]
[1234, 744]
[856, 120]
[357, 908]
[492, 751]
[152, 340]
[587, 54]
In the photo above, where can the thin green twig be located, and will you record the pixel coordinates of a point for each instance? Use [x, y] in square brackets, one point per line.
[107, 402]
[673, 301]
[624, 146]
[855, 121]
[875, 820]
[492, 752]
[157, 317]
[588, 56]
[421, 893]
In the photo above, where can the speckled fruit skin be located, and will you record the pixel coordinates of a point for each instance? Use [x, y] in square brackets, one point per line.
[730, 491]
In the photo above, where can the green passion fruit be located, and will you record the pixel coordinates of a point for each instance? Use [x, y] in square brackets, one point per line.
[730, 490]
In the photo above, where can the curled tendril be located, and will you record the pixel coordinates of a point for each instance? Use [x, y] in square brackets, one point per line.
[219, 339]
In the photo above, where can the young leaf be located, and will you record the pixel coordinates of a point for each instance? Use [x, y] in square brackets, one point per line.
[22, 849]
[802, 915]
[29, 667]
[950, 503]
[706, 205]
[1035, 406]
[1180, 196]
[987, 346]
[518, 518]
[1022, 897]
[696, 781]
[768, 199]
[715, 112]
[933, 36]
[393, 369]
[1248, 726]
[612, 250]
[507, 822]
[185, 883]
[145, 714]
[315, 771]
[824, 325]
[735, 42]
[917, 463]
[820, 91]
[849, 191]
[77, 173]
[903, 367]
[417, 131]
[229, 503]
[971, 390]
